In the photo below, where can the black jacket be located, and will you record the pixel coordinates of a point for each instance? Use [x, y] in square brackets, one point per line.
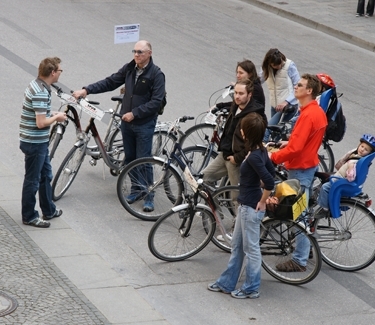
[231, 142]
[144, 98]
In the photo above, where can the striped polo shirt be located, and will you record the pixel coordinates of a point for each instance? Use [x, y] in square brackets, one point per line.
[37, 101]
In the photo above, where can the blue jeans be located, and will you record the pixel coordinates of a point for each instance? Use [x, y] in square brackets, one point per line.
[137, 141]
[245, 245]
[305, 177]
[323, 198]
[38, 177]
[275, 119]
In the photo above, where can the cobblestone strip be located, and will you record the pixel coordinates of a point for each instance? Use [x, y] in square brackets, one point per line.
[44, 294]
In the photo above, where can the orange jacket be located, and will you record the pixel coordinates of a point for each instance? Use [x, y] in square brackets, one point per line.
[301, 151]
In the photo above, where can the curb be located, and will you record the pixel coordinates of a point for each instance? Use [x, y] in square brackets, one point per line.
[314, 25]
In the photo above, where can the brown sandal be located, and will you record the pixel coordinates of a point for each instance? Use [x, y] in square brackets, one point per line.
[290, 266]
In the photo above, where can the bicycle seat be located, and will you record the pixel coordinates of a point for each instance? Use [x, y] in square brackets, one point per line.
[341, 187]
[325, 99]
[117, 98]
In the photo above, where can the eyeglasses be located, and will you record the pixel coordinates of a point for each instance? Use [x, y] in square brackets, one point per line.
[139, 52]
[60, 70]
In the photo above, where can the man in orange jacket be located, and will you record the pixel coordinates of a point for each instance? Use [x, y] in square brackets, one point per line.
[300, 155]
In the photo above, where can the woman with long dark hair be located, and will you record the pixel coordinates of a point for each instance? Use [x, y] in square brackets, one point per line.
[281, 75]
[256, 172]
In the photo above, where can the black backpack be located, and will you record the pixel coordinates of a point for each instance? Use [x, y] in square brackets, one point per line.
[164, 100]
[336, 120]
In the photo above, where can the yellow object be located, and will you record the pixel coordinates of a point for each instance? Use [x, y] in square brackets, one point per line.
[299, 206]
[286, 188]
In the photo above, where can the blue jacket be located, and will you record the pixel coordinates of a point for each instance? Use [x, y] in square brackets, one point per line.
[144, 98]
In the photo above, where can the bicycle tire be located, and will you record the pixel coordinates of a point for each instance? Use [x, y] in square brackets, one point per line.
[277, 243]
[54, 141]
[198, 134]
[116, 147]
[198, 158]
[354, 249]
[162, 140]
[166, 242]
[326, 154]
[225, 199]
[67, 171]
[167, 193]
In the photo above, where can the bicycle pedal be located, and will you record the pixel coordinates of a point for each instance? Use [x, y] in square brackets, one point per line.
[92, 162]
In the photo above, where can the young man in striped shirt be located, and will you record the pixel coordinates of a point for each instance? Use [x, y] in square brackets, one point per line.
[36, 119]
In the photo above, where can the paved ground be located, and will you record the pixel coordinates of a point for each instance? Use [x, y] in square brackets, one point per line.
[333, 17]
[31, 280]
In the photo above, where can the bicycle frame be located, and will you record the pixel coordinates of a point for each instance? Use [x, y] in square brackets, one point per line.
[98, 151]
[202, 191]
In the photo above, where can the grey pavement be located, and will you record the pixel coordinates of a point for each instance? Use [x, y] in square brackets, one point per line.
[333, 17]
[52, 276]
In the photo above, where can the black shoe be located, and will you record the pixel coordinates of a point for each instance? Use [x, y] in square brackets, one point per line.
[38, 222]
[58, 213]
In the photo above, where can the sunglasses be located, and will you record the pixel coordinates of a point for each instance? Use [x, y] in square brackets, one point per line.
[139, 52]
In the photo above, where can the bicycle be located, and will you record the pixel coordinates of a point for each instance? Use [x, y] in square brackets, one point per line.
[113, 133]
[113, 136]
[166, 185]
[347, 235]
[71, 164]
[188, 228]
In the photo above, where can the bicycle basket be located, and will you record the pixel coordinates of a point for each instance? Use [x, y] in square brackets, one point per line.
[290, 208]
[288, 202]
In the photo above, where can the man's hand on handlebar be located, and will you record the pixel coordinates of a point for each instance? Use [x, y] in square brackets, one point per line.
[60, 116]
[280, 107]
[82, 93]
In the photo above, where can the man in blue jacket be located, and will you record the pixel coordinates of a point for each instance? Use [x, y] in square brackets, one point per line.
[144, 92]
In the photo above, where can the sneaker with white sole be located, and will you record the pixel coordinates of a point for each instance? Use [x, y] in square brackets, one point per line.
[215, 288]
[239, 294]
[58, 213]
[37, 222]
[229, 236]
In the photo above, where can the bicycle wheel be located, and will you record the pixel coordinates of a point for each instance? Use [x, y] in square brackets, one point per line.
[198, 134]
[277, 244]
[116, 147]
[322, 167]
[162, 140]
[176, 236]
[149, 179]
[347, 243]
[54, 140]
[199, 158]
[326, 154]
[225, 199]
[67, 171]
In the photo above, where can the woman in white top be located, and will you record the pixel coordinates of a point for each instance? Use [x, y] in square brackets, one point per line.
[280, 75]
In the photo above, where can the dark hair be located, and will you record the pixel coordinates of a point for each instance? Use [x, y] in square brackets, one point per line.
[248, 85]
[274, 57]
[250, 68]
[313, 83]
[47, 66]
[253, 127]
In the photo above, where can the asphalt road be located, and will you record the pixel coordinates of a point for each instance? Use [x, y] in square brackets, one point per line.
[197, 45]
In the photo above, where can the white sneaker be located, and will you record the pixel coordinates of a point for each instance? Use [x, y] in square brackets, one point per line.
[228, 235]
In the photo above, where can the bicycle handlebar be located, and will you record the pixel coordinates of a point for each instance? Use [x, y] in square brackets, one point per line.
[183, 119]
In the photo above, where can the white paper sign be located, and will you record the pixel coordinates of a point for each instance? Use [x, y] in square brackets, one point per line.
[126, 33]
